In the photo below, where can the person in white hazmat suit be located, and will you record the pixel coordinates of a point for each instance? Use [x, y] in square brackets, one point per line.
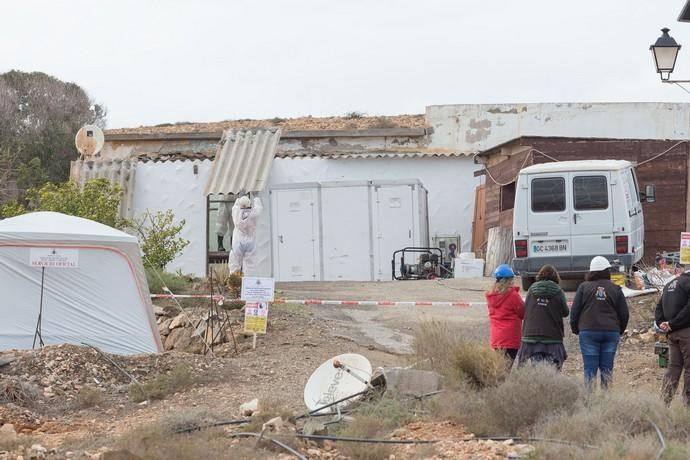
[223, 222]
[244, 216]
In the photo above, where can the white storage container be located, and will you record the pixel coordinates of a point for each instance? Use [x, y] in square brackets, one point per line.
[469, 268]
[335, 231]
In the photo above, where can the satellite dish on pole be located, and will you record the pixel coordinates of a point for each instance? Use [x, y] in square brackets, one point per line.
[339, 377]
[89, 140]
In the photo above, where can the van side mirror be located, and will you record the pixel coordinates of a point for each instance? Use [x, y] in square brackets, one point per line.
[649, 194]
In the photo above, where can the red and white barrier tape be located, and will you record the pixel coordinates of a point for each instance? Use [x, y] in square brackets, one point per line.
[363, 303]
[379, 303]
[187, 296]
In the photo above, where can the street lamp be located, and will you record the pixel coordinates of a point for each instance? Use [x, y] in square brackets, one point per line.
[665, 51]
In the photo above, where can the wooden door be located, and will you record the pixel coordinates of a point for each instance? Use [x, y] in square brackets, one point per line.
[479, 222]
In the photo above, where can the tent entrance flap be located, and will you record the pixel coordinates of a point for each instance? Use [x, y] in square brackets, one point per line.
[243, 161]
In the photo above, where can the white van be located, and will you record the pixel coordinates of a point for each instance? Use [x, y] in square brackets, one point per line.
[570, 211]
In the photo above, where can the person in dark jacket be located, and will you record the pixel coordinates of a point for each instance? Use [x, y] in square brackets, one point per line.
[506, 309]
[672, 316]
[599, 316]
[542, 328]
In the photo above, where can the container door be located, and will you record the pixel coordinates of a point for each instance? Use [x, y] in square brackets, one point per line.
[296, 230]
[393, 225]
[346, 233]
[548, 216]
[592, 214]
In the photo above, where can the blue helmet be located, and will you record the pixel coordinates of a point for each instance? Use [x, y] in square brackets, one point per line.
[504, 271]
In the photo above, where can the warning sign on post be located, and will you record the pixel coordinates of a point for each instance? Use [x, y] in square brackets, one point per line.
[257, 289]
[685, 248]
[54, 257]
[255, 317]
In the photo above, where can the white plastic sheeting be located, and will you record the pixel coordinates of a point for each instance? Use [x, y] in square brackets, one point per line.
[177, 185]
[103, 301]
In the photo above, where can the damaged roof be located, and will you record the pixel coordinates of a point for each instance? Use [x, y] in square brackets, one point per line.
[352, 121]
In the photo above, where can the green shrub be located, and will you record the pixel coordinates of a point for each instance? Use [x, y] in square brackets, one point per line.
[176, 282]
[159, 237]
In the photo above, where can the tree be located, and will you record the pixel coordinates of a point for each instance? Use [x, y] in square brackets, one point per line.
[98, 200]
[39, 117]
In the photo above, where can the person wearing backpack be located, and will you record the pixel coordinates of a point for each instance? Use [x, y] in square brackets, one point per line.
[599, 316]
[672, 316]
[506, 310]
[542, 328]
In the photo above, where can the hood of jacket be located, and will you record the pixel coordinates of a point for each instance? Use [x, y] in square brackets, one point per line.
[496, 299]
[545, 289]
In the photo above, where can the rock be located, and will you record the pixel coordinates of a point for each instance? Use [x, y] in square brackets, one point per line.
[275, 425]
[314, 427]
[173, 338]
[178, 321]
[8, 434]
[164, 327]
[410, 382]
[121, 454]
[648, 337]
[158, 311]
[37, 452]
[249, 408]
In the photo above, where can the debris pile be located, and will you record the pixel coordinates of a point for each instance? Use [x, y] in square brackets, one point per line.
[34, 377]
[194, 331]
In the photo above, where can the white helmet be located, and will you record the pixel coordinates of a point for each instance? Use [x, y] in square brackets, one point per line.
[598, 264]
[244, 202]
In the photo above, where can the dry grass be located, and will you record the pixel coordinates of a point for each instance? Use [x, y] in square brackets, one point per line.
[88, 396]
[160, 440]
[365, 426]
[18, 392]
[460, 361]
[178, 379]
[513, 407]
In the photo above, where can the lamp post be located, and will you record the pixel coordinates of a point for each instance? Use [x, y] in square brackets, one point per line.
[665, 51]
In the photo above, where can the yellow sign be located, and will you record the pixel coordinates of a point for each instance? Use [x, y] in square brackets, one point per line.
[256, 317]
[685, 248]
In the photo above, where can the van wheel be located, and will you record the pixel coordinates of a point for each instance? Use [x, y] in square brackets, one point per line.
[527, 281]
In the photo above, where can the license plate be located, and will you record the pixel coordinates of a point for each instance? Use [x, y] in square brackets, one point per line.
[550, 247]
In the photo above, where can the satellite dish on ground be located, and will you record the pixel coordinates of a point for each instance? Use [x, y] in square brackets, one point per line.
[337, 378]
[89, 140]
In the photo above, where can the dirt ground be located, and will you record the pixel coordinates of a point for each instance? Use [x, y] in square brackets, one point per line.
[299, 339]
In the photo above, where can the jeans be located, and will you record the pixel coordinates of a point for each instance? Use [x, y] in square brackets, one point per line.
[598, 351]
[679, 362]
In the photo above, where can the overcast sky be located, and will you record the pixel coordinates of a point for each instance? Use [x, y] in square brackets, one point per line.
[161, 61]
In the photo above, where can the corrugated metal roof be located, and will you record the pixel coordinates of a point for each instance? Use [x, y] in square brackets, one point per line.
[121, 172]
[243, 161]
[374, 154]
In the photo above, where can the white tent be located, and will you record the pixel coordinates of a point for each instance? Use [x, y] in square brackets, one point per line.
[87, 277]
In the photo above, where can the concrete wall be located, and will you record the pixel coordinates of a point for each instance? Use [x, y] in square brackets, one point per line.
[473, 128]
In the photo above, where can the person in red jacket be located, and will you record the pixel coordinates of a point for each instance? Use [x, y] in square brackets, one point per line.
[506, 310]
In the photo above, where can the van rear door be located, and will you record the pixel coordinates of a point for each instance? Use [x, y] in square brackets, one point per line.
[548, 219]
[592, 216]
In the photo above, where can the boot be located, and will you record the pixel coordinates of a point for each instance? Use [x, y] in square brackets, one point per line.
[220, 244]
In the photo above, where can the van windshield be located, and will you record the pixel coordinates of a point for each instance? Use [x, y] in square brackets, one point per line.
[548, 194]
